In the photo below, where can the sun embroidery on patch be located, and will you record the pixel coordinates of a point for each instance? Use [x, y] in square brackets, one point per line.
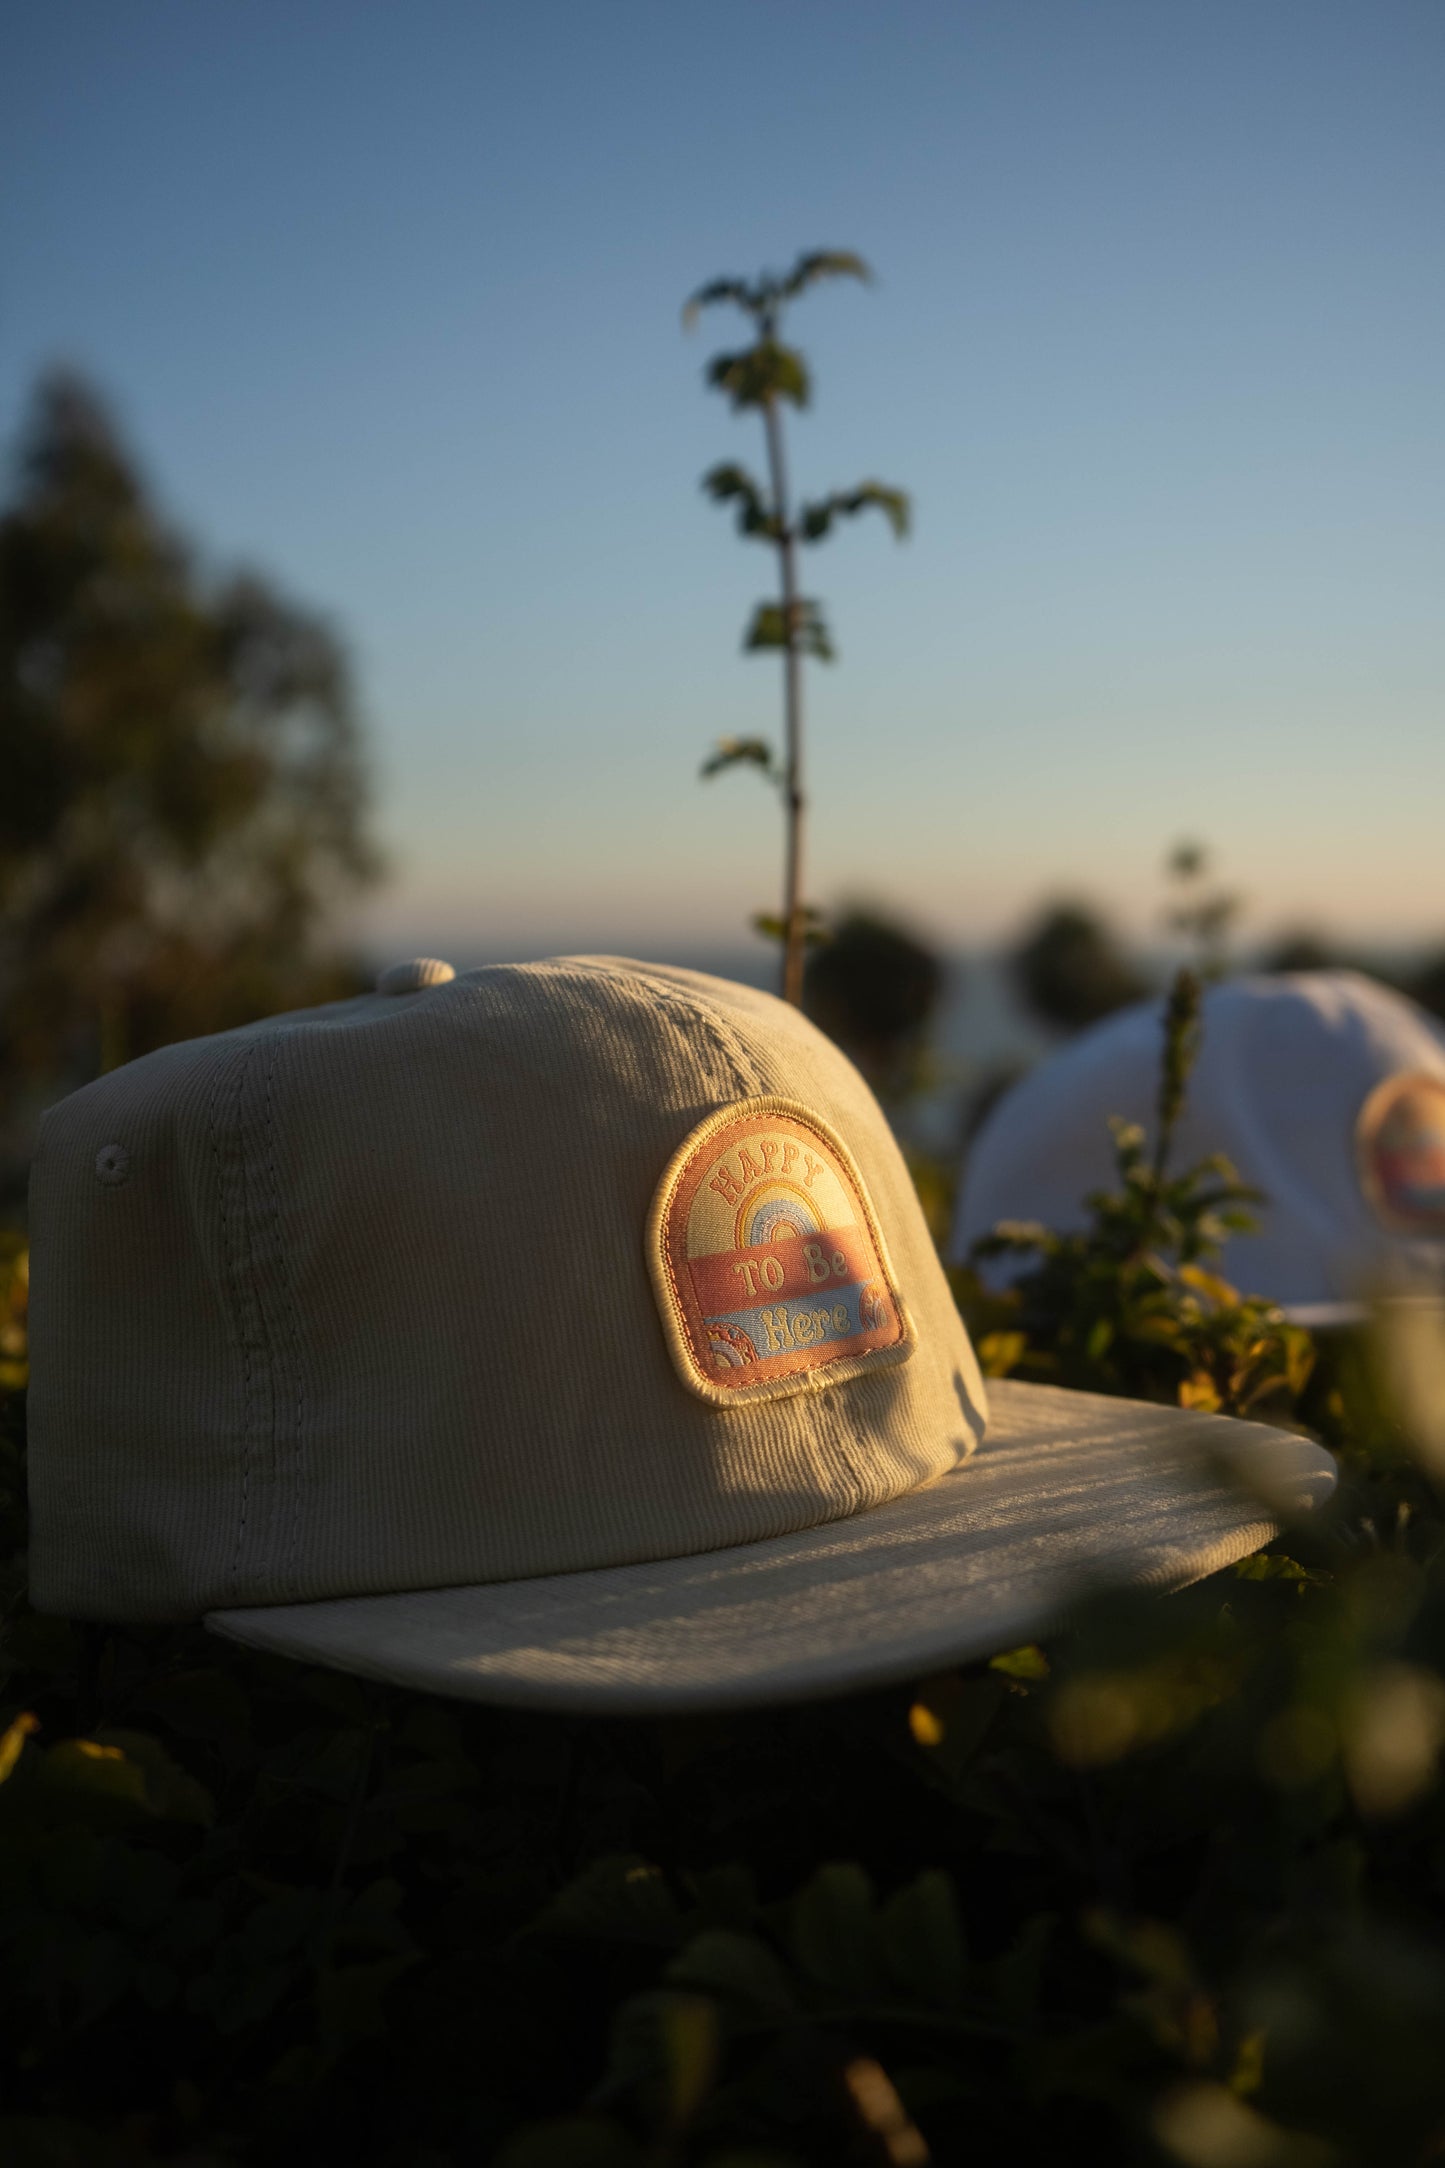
[1400, 1143]
[767, 1259]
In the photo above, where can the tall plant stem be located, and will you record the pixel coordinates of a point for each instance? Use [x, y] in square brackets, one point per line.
[1181, 1050]
[793, 801]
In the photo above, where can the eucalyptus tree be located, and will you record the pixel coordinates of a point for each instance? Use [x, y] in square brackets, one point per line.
[183, 799]
[762, 378]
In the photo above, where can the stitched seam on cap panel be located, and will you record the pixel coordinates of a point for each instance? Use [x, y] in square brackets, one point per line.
[738, 1059]
[293, 1323]
[738, 1053]
[265, 1340]
[675, 998]
[749, 1079]
[748, 1076]
[248, 1285]
[238, 1321]
[255, 1309]
[853, 1462]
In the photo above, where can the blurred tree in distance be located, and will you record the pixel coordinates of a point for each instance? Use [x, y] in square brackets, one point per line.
[1301, 949]
[875, 989]
[759, 378]
[1071, 970]
[183, 789]
[1426, 984]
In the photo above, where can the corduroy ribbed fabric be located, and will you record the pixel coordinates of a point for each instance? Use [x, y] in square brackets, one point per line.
[355, 1301]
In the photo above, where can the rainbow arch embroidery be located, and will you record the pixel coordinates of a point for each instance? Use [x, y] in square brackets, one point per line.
[767, 1260]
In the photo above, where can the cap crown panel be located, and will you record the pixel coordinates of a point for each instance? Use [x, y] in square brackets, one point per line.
[380, 1274]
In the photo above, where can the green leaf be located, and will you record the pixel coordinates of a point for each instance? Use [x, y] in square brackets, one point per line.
[833, 1933]
[12, 1741]
[84, 1771]
[620, 1898]
[769, 629]
[689, 2026]
[741, 752]
[923, 1942]
[1023, 1663]
[1018, 1974]
[1101, 1337]
[825, 263]
[736, 290]
[816, 930]
[728, 483]
[669, 2043]
[816, 520]
[738, 1969]
[1265, 1566]
[125, 1770]
[758, 375]
[764, 300]
[1013, 1235]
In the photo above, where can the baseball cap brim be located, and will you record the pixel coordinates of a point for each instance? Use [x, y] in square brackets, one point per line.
[1068, 1491]
[1326, 1316]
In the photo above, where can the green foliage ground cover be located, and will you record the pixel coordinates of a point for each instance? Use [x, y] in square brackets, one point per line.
[1170, 1888]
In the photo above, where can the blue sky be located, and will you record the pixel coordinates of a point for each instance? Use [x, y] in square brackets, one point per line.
[388, 299]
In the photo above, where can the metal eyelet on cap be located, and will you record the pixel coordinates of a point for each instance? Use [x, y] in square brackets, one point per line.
[112, 1164]
[414, 977]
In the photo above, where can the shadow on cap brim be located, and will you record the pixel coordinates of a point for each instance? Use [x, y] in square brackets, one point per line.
[1069, 1490]
[1327, 1316]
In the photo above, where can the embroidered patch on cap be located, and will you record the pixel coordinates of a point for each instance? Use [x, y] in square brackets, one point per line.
[1400, 1143]
[770, 1270]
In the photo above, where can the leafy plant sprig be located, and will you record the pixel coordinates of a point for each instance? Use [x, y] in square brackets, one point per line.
[1204, 914]
[760, 378]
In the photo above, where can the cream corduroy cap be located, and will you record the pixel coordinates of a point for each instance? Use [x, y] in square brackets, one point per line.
[566, 1334]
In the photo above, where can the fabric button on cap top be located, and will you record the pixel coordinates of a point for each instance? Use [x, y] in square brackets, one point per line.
[414, 976]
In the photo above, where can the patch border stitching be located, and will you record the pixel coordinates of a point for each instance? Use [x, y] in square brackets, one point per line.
[1373, 1109]
[672, 1309]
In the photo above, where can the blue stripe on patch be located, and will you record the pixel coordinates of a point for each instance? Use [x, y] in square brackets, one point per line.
[773, 1328]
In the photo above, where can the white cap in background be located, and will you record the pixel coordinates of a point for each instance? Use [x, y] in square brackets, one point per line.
[1325, 1089]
